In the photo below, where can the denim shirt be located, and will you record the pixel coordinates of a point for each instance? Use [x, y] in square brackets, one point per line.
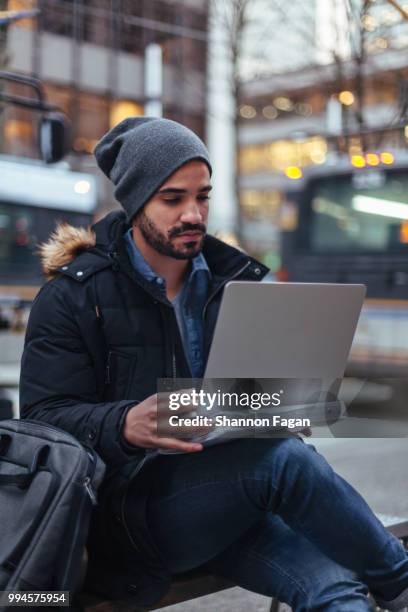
[188, 303]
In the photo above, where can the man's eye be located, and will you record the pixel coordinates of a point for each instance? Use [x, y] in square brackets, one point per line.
[172, 200]
[203, 198]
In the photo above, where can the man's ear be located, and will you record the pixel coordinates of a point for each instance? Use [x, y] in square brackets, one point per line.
[135, 219]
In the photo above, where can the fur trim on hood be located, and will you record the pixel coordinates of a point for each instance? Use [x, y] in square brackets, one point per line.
[65, 243]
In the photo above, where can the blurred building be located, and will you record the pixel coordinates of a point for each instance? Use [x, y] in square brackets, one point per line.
[347, 104]
[90, 54]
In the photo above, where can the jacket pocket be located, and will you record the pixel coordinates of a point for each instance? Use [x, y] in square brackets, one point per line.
[120, 368]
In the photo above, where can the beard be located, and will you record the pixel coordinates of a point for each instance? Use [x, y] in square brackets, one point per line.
[163, 243]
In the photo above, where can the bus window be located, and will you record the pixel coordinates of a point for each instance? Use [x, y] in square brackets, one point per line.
[348, 214]
[34, 198]
[16, 241]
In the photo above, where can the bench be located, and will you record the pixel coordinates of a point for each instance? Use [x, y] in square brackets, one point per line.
[198, 584]
[186, 587]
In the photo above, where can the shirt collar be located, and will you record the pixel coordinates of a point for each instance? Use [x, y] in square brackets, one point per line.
[140, 264]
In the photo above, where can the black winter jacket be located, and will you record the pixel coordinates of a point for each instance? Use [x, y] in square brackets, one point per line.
[98, 338]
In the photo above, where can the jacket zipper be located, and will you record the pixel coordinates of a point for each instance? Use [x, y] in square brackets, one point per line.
[173, 362]
[223, 285]
[108, 369]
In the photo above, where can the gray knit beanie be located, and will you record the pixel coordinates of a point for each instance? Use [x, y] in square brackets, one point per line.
[140, 153]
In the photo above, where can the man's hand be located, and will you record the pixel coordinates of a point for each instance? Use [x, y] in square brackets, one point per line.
[140, 428]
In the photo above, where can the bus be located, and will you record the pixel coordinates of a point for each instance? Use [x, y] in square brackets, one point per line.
[350, 225]
[34, 197]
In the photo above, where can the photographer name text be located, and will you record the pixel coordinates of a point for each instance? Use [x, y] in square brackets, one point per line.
[247, 421]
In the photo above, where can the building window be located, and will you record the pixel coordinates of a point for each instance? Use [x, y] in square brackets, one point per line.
[277, 156]
[261, 205]
[57, 17]
[92, 121]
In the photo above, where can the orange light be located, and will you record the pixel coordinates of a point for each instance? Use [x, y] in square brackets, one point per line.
[293, 172]
[404, 232]
[122, 109]
[346, 98]
[17, 129]
[387, 158]
[372, 159]
[358, 161]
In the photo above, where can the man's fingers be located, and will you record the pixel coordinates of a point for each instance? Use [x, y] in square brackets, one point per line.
[164, 408]
[176, 401]
[164, 405]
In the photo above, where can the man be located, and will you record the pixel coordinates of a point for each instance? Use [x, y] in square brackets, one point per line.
[135, 301]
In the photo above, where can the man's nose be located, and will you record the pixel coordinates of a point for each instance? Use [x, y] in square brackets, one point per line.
[191, 213]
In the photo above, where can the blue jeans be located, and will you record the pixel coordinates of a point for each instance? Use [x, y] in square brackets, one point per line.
[272, 516]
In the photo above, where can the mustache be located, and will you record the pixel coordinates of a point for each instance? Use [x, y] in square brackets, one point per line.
[187, 227]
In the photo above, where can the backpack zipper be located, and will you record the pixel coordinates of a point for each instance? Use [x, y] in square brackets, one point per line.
[90, 490]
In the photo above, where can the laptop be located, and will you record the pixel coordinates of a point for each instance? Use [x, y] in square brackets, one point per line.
[290, 338]
[284, 330]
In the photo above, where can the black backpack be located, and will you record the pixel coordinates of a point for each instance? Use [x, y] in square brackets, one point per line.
[48, 483]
